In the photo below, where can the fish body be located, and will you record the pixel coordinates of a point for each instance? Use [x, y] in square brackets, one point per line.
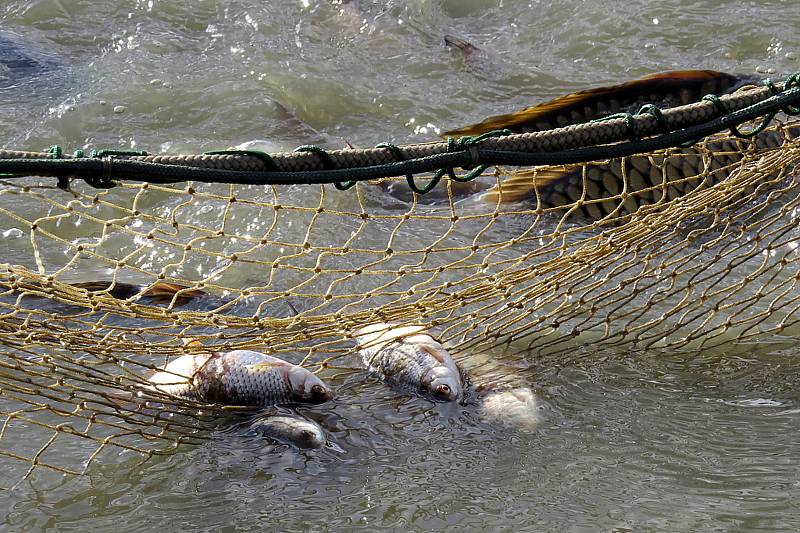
[22, 62]
[240, 377]
[159, 291]
[516, 408]
[666, 89]
[412, 361]
[622, 186]
[291, 429]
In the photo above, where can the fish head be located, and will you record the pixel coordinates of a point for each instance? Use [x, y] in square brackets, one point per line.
[308, 388]
[441, 383]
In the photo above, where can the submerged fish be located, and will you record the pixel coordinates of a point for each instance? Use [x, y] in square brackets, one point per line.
[160, 291]
[240, 377]
[622, 186]
[516, 408]
[407, 358]
[666, 89]
[290, 429]
[23, 62]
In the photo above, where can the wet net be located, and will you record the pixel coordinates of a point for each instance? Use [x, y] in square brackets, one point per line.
[683, 250]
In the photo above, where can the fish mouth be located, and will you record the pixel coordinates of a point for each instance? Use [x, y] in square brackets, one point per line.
[319, 395]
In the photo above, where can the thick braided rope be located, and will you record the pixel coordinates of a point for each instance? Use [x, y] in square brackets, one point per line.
[568, 137]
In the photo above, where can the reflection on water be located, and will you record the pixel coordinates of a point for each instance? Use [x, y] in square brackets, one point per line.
[627, 442]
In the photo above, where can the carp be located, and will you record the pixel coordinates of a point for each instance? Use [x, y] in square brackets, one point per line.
[407, 358]
[240, 377]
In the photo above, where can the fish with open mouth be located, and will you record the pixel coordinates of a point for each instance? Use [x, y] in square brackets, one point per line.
[407, 358]
[241, 378]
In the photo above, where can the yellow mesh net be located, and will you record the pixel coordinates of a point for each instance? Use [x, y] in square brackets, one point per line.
[685, 250]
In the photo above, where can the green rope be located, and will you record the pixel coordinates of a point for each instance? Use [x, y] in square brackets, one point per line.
[263, 156]
[791, 82]
[461, 144]
[327, 163]
[398, 154]
[654, 110]
[629, 124]
[56, 152]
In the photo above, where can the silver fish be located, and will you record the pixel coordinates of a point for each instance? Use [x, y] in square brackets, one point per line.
[291, 429]
[240, 377]
[409, 359]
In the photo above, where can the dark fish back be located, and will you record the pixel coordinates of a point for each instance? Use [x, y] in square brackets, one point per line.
[666, 89]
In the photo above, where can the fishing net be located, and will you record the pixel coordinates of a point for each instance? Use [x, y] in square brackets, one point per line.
[688, 249]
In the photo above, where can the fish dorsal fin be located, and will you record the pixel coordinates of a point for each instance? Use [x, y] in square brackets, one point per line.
[266, 366]
[522, 184]
[434, 351]
[583, 106]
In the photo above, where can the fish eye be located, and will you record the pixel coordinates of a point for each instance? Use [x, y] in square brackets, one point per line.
[317, 390]
[442, 391]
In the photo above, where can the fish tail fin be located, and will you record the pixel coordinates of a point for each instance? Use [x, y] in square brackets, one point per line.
[160, 291]
[451, 41]
[165, 292]
[192, 343]
[523, 184]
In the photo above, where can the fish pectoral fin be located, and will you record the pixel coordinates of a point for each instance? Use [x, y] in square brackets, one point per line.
[523, 184]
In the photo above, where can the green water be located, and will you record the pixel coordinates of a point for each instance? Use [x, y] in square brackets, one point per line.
[635, 443]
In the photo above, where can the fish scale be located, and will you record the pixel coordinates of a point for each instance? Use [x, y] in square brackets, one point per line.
[404, 365]
[644, 179]
[239, 377]
[410, 360]
[246, 385]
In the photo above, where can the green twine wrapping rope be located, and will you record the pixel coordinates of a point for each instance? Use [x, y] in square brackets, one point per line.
[468, 152]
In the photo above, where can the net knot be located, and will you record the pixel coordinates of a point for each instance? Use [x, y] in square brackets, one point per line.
[468, 143]
[104, 181]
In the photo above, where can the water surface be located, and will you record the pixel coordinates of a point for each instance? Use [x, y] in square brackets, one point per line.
[627, 442]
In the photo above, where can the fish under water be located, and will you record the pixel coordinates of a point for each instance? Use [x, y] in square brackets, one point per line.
[620, 186]
[290, 429]
[240, 378]
[23, 63]
[516, 408]
[407, 358]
